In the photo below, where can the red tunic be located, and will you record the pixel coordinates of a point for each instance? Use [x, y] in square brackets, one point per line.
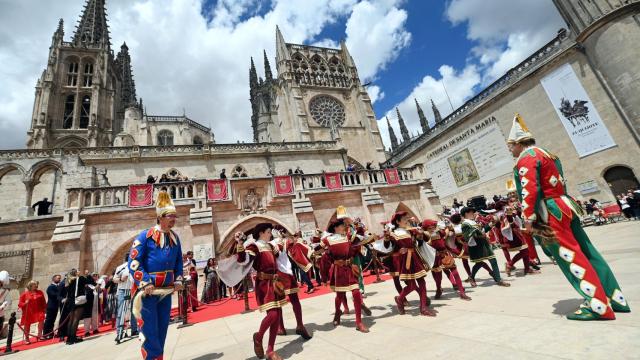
[33, 306]
[264, 262]
[438, 242]
[510, 236]
[340, 253]
[299, 253]
[408, 263]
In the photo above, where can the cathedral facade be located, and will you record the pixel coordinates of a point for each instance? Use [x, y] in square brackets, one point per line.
[578, 95]
[91, 138]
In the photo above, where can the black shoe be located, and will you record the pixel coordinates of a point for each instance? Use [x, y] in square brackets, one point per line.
[134, 333]
[535, 267]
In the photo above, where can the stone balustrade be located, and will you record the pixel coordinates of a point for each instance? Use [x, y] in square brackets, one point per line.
[117, 197]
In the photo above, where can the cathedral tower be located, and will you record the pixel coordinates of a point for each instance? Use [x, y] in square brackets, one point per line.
[316, 96]
[79, 96]
[609, 33]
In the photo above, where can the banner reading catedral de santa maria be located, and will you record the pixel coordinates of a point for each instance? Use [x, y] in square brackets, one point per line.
[472, 156]
[576, 111]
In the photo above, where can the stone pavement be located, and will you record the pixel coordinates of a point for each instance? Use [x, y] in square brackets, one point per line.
[525, 321]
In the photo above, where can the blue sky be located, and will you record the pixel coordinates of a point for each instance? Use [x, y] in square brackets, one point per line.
[194, 54]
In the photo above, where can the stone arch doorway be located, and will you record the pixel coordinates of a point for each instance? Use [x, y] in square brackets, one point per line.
[246, 224]
[403, 207]
[116, 258]
[620, 179]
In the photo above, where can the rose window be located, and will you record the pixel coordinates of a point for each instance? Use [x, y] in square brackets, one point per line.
[327, 111]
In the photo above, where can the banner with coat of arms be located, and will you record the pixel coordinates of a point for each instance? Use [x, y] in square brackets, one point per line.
[217, 190]
[140, 195]
[392, 176]
[332, 181]
[283, 185]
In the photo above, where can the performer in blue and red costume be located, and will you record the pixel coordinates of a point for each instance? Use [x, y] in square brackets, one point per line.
[155, 260]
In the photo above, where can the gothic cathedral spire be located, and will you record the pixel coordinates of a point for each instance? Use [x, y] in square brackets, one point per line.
[436, 113]
[267, 68]
[92, 29]
[423, 119]
[403, 128]
[392, 136]
[253, 98]
[128, 95]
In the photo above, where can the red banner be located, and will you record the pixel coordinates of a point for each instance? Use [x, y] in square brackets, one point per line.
[140, 195]
[283, 185]
[332, 181]
[217, 190]
[392, 176]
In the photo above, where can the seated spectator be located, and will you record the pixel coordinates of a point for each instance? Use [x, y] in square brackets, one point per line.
[151, 179]
[298, 170]
[290, 172]
[164, 179]
[369, 166]
[223, 174]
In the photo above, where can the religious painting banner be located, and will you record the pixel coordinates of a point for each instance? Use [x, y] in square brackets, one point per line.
[283, 185]
[473, 155]
[332, 181]
[576, 111]
[140, 195]
[217, 190]
[392, 176]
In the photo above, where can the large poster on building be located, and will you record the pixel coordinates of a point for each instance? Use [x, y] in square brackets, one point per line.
[472, 156]
[577, 113]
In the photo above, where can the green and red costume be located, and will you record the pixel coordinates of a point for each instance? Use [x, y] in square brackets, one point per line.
[540, 185]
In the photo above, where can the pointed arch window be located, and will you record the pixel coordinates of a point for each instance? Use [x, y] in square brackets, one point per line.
[85, 111]
[197, 140]
[69, 106]
[87, 78]
[165, 138]
[72, 74]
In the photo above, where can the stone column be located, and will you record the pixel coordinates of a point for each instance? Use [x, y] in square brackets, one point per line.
[27, 210]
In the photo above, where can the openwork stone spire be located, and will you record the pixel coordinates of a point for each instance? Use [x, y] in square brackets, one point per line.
[436, 113]
[128, 85]
[423, 119]
[403, 128]
[392, 136]
[267, 68]
[92, 29]
[253, 97]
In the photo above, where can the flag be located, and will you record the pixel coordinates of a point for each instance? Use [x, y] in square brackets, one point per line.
[392, 176]
[217, 190]
[283, 185]
[140, 195]
[332, 181]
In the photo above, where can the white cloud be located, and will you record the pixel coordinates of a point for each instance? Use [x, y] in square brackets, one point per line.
[459, 85]
[375, 93]
[182, 60]
[375, 35]
[504, 32]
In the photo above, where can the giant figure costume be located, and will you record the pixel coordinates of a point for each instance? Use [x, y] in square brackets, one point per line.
[555, 216]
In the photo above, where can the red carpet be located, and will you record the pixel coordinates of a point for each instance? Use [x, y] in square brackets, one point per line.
[206, 312]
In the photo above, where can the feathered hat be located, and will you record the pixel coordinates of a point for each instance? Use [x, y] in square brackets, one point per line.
[164, 205]
[519, 130]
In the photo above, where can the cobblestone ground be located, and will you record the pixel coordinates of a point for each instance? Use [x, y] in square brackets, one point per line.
[525, 321]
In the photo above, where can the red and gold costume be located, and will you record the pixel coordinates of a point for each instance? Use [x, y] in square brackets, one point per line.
[269, 290]
[444, 262]
[457, 245]
[409, 264]
[342, 273]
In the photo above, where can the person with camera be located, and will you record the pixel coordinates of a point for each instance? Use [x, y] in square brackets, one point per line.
[155, 262]
[122, 278]
[75, 300]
